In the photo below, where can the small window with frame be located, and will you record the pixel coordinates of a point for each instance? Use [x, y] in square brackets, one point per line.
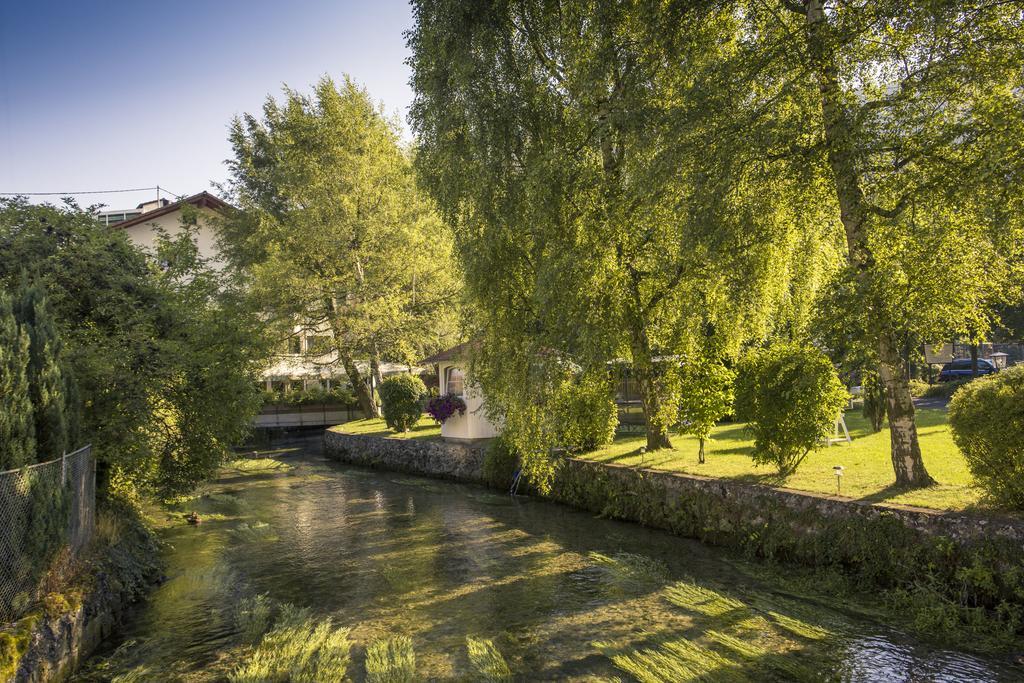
[454, 381]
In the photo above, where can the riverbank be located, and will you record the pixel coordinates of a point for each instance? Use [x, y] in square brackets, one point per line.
[955, 576]
[49, 643]
[318, 570]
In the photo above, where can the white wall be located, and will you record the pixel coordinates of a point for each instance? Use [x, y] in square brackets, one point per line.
[144, 234]
[474, 424]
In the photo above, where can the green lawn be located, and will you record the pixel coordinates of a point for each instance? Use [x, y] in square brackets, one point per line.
[426, 428]
[868, 471]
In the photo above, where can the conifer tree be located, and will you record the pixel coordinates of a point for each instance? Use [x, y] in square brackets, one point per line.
[17, 431]
[45, 369]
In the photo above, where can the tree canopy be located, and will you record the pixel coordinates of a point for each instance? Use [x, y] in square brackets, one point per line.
[161, 349]
[333, 232]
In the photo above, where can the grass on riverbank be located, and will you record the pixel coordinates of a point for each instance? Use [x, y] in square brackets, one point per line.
[868, 471]
[426, 428]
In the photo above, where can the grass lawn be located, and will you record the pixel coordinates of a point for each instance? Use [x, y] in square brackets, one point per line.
[868, 471]
[426, 428]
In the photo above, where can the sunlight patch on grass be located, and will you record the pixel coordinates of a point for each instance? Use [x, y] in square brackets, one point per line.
[868, 465]
[426, 428]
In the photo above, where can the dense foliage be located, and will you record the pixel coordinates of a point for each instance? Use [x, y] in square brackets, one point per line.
[987, 418]
[791, 396]
[401, 398]
[594, 219]
[638, 180]
[333, 233]
[161, 348]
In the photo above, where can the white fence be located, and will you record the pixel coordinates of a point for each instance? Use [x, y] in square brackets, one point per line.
[47, 511]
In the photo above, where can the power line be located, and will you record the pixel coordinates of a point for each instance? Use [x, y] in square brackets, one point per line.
[69, 194]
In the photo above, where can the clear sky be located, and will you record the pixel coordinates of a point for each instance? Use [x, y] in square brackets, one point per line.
[122, 94]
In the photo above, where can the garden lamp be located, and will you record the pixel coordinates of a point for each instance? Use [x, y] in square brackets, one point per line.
[838, 469]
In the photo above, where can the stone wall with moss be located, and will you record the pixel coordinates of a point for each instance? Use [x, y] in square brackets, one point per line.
[50, 642]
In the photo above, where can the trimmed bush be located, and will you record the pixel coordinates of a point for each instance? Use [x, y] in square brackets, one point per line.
[401, 401]
[987, 418]
[791, 396]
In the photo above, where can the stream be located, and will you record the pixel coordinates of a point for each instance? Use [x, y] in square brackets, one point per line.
[406, 578]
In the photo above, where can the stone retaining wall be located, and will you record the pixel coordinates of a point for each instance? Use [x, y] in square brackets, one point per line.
[430, 457]
[750, 504]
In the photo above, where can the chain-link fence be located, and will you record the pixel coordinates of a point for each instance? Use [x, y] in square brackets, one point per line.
[47, 513]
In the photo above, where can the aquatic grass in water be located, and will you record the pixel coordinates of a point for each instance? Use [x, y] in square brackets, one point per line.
[488, 664]
[299, 649]
[255, 466]
[629, 573]
[705, 601]
[760, 658]
[799, 628]
[677, 660]
[253, 617]
[391, 661]
[257, 531]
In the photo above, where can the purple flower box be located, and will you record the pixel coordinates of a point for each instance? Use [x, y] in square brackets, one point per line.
[442, 407]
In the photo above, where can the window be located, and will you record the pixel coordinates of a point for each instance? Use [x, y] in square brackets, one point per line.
[295, 345]
[454, 382]
[318, 345]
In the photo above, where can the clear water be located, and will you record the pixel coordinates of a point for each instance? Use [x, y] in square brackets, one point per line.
[560, 594]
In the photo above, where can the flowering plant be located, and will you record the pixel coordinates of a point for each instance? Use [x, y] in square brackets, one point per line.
[442, 407]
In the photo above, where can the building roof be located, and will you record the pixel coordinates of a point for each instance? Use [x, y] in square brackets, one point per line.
[203, 200]
[457, 352]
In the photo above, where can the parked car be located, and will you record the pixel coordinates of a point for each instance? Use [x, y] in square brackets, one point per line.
[961, 369]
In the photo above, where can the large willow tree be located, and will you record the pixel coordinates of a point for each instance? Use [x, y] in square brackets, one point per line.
[334, 232]
[916, 119]
[571, 145]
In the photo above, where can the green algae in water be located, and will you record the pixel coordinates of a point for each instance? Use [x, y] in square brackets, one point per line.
[488, 664]
[255, 532]
[253, 617]
[391, 661]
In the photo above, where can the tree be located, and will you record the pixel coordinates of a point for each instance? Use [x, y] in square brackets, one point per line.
[917, 107]
[46, 371]
[17, 428]
[333, 231]
[594, 219]
[161, 349]
[706, 392]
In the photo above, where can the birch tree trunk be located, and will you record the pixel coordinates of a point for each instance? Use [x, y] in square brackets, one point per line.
[838, 130]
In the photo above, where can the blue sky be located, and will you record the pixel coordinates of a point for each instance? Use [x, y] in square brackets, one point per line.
[108, 95]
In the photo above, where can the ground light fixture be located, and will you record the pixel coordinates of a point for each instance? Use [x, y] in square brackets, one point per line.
[838, 470]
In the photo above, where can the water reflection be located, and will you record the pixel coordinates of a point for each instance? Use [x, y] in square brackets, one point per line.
[463, 583]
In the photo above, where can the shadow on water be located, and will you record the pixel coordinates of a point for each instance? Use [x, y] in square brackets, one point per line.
[339, 571]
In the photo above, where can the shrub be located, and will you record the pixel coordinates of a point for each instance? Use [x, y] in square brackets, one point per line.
[791, 396]
[585, 413]
[401, 401]
[987, 418]
[500, 464]
[442, 407]
[918, 387]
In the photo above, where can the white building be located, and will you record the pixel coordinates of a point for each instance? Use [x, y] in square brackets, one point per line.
[453, 376]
